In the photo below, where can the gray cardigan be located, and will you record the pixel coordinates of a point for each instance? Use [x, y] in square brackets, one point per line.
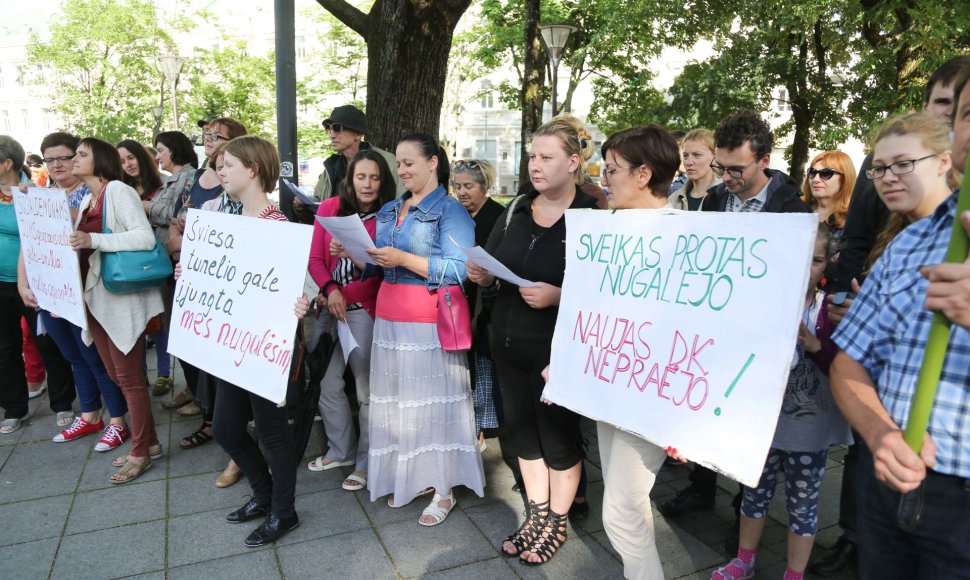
[123, 316]
[162, 207]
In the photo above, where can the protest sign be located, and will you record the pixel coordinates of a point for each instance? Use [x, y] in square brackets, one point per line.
[233, 312]
[53, 272]
[680, 327]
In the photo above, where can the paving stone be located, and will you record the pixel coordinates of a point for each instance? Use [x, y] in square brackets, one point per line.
[594, 522]
[316, 481]
[34, 520]
[261, 565]
[416, 549]
[98, 470]
[325, 514]
[28, 561]
[494, 569]
[355, 555]
[121, 505]
[580, 558]
[125, 551]
[221, 539]
[192, 494]
[39, 470]
[681, 552]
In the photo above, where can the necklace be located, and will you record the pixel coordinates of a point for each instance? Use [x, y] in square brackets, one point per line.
[6, 197]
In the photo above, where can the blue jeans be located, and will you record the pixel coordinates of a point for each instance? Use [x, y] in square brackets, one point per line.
[90, 377]
[162, 359]
[939, 544]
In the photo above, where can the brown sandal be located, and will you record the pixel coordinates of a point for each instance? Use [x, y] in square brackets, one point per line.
[180, 400]
[529, 530]
[130, 471]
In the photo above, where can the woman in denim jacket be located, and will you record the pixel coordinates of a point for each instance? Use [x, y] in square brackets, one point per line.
[422, 425]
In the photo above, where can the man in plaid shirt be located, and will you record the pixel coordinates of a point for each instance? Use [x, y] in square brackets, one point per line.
[883, 339]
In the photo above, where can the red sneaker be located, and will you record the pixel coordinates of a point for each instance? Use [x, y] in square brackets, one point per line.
[79, 428]
[113, 436]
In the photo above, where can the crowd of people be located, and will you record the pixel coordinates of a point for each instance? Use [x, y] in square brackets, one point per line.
[407, 413]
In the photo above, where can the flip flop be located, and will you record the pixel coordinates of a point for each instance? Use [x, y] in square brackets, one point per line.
[437, 512]
[8, 426]
[354, 483]
[318, 464]
[427, 491]
[131, 471]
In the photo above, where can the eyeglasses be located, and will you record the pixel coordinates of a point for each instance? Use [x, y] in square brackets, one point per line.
[214, 136]
[462, 164]
[899, 168]
[735, 171]
[61, 159]
[34, 165]
[335, 127]
[825, 173]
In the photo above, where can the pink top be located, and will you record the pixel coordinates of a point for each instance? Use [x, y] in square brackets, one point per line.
[322, 263]
[407, 303]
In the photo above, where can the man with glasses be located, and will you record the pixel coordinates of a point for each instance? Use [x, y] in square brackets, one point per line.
[742, 150]
[867, 217]
[346, 126]
[883, 338]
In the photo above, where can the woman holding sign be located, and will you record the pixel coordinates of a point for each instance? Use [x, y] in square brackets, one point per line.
[112, 219]
[529, 239]
[350, 299]
[422, 426]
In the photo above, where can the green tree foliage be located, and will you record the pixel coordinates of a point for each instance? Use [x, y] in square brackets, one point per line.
[231, 82]
[100, 67]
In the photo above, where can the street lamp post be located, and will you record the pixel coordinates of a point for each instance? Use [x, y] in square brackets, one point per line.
[157, 112]
[555, 37]
[171, 66]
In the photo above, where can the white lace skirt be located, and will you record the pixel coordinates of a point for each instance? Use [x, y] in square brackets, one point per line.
[422, 424]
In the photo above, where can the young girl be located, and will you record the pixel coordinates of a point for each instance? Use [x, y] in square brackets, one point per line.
[809, 424]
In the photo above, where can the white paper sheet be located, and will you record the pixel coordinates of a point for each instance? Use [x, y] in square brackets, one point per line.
[495, 268]
[298, 194]
[350, 231]
[347, 341]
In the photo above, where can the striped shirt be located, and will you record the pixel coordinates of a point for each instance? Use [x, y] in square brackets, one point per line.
[886, 329]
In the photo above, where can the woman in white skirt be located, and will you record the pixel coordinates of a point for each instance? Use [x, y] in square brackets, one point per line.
[422, 424]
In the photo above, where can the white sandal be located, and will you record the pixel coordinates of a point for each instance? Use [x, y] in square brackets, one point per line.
[436, 511]
[354, 483]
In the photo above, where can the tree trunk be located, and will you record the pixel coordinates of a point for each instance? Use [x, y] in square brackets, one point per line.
[408, 42]
[532, 84]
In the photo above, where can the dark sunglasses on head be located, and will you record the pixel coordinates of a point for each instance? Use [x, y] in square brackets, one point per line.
[461, 164]
[825, 173]
[335, 127]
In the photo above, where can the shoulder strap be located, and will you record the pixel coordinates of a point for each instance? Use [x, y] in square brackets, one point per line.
[104, 210]
[508, 215]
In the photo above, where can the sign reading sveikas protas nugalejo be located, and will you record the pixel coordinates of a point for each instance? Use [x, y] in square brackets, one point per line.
[680, 327]
[233, 312]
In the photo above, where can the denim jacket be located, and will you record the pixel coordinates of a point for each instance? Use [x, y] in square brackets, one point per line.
[428, 230]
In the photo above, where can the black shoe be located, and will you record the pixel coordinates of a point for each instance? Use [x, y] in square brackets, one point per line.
[684, 502]
[578, 512]
[271, 530]
[252, 510]
[843, 557]
[733, 538]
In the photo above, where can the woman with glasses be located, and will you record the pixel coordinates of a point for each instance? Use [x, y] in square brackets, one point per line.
[697, 153]
[346, 296]
[911, 171]
[827, 189]
[530, 240]
[472, 181]
[117, 322]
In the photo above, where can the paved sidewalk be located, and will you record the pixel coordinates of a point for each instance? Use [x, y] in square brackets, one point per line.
[62, 518]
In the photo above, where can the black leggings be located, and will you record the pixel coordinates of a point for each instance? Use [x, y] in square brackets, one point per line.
[233, 408]
[537, 430]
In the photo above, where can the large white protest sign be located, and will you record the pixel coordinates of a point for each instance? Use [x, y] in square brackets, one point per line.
[680, 327]
[53, 273]
[233, 312]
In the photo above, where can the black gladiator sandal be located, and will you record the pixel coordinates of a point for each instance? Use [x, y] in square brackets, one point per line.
[552, 538]
[536, 514]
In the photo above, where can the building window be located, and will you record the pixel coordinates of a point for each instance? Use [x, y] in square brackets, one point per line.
[485, 149]
[505, 155]
[25, 116]
[5, 121]
[782, 105]
[1, 77]
[488, 100]
[301, 46]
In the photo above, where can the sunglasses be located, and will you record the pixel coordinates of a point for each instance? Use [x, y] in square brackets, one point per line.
[825, 173]
[461, 164]
[335, 127]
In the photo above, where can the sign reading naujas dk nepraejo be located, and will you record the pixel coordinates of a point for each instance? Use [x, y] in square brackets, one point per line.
[53, 272]
[233, 311]
[681, 327]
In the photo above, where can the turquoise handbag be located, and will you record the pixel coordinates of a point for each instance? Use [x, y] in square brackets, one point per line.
[133, 271]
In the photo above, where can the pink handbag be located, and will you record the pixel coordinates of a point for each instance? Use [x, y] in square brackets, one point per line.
[454, 317]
